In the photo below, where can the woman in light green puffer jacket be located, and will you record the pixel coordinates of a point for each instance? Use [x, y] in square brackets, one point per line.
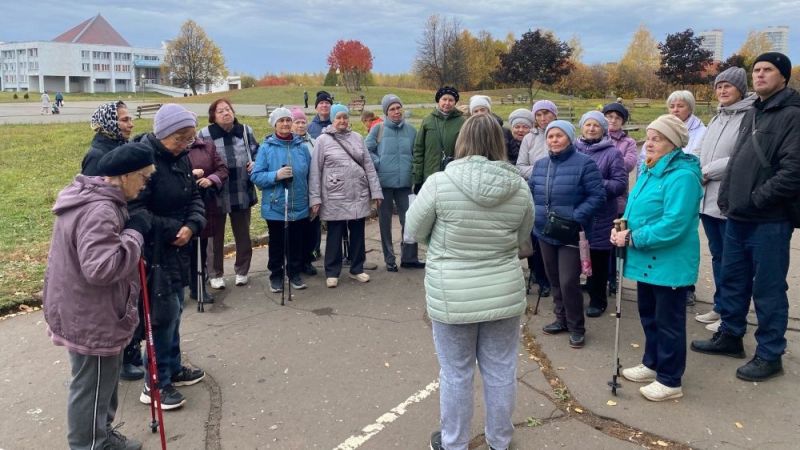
[474, 215]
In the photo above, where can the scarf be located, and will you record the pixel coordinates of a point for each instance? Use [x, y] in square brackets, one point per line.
[106, 122]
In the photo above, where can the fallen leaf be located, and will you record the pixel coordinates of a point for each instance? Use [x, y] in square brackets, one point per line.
[739, 425]
[634, 345]
[662, 443]
[561, 368]
[578, 410]
[386, 364]
[611, 403]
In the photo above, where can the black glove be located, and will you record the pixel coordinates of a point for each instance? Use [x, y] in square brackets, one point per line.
[141, 222]
[417, 188]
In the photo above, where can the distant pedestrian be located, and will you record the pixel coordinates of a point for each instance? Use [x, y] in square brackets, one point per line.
[369, 119]
[59, 99]
[663, 254]
[91, 289]
[759, 196]
[436, 138]
[322, 105]
[474, 216]
[305, 98]
[45, 103]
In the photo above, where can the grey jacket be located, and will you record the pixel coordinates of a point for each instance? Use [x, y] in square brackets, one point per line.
[342, 181]
[716, 148]
[532, 149]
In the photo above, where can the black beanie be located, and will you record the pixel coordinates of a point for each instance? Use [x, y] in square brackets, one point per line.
[617, 108]
[778, 60]
[446, 90]
[125, 159]
[323, 96]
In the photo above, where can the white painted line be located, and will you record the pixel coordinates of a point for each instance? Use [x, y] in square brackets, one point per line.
[355, 441]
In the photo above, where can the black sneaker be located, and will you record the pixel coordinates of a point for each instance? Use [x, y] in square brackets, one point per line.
[595, 311]
[188, 376]
[436, 441]
[391, 267]
[309, 269]
[131, 372]
[554, 328]
[276, 285]
[720, 344]
[117, 441]
[577, 340]
[759, 369]
[170, 397]
[297, 282]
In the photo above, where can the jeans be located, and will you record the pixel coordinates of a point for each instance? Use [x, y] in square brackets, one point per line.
[755, 264]
[662, 311]
[494, 345]
[715, 233]
[166, 337]
[391, 197]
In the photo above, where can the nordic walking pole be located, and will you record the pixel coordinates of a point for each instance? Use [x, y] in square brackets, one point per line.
[200, 281]
[286, 241]
[619, 225]
[152, 376]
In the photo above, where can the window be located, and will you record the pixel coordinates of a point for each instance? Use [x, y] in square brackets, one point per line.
[85, 67]
[34, 65]
[102, 67]
[33, 52]
[122, 56]
[101, 55]
[85, 54]
[8, 53]
[122, 68]
[100, 81]
[21, 52]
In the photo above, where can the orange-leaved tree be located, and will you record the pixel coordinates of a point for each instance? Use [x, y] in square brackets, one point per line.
[353, 61]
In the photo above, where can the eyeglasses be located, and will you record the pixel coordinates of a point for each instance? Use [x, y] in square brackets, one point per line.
[188, 141]
[395, 108]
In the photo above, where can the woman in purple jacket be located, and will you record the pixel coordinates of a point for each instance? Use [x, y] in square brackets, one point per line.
[91, 288]
[595, 143]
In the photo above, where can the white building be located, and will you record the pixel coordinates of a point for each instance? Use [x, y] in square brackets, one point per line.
[779, 38]
[712, 41]
[91, 57]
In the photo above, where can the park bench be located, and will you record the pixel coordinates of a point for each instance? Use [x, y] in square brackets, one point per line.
[708, 105]
[508, 99]
[142, 109]
[270, 108]
[641, 102]
[356, 105]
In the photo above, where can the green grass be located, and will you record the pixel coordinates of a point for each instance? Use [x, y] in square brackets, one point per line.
[8, 97]
[293, 95]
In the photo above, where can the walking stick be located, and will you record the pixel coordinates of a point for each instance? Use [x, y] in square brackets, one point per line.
[152, 376]
[286, 280]
[619, 225]
[201, 282]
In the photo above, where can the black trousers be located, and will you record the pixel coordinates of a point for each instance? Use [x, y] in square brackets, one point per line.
[333, 246]
[598, 282]
[299, 235]
[563, 266]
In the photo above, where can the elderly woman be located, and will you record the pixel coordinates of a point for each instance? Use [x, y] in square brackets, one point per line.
[534, 146]
[730, 87]
[594, 141]
[237, 146]
[112, 126]
[521, 123]
[663, 254]
[474, 217]
[91, 288]
[568, 191]
[282, 171]
[437, 135]
[342, 182]
[312, 252]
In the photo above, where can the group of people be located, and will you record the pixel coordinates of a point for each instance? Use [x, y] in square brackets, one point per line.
[473, 191]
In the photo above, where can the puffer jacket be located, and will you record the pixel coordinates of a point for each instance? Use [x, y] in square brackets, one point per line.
[751, 192]
[662, 216]
[317, 125]
[394, 155]
[273, 154]
[568, 184]
[716, 148]
[532, 149]
[437, 134]
[474, 216]
[101, 144]
[342, 181]
[615, 181]
[91, 285]
[627, 147]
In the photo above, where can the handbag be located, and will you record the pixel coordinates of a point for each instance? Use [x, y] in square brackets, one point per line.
[557, 227]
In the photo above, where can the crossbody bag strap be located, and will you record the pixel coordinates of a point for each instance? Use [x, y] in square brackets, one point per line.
[762, 158]
[344, 147]
[547, 187]
[246, 137]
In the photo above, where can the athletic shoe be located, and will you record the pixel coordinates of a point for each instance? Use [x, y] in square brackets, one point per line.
[170, 397]
[657, 392]
[297, 282]
[554, 328]
[331, 282]
[276, 285]
[709, 317]
[639, 374]
[714, 326]
[241, 280]
[577, 340]
[391, 267]
[217, 283]
[117, 441]
[436, 441]
[361, 277]
[188, 376]
[309, 269]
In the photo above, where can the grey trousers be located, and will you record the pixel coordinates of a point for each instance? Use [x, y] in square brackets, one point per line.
[494, 344]
[562, 264]
[391, 197]
[240, 224]
[92, 400]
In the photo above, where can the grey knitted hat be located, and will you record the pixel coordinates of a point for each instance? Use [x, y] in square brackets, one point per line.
[735, 76]
[389, 100]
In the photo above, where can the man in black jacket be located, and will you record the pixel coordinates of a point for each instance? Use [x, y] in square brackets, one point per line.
[178, 212]
[759, 196]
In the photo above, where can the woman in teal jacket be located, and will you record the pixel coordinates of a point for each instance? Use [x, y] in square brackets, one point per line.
[663, 254]
[282, 164]
[474, 215]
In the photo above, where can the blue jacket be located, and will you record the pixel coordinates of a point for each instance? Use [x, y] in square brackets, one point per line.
[576, 190]
[316, 126]
[662, 216]
[393, 156]
[272, 155]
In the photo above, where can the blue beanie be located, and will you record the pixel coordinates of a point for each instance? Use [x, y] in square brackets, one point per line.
[338, 108]
[564, 126]
[597, 116]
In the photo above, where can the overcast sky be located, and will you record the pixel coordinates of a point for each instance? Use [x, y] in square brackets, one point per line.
[296, 36]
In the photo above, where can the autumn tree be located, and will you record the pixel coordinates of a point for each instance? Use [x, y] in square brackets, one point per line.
[248, 81]
[482, 57]
[635, 74]
[192, 59]
[794, 81]
[755, 44]
[441, 57]
[353, 61]
[683, 60]
[537, 58]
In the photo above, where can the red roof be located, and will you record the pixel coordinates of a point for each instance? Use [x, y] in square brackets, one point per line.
[93, 31]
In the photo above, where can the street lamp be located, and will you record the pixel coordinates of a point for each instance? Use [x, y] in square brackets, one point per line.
[141, 84]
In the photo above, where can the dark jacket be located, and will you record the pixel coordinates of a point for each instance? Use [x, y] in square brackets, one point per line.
[576, 190]
[615, 181]
[173, 199]
[101, 144]
[512, 146]
[203, 155]
[436, 138]
[316, 126]
[751, 192]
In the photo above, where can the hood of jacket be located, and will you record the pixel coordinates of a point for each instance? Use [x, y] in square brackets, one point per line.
[453, 114]
[85, 190]
[330, 129]
[693, 123]
[272, 139]
[390, 124]
[739, 106]
[487, 183]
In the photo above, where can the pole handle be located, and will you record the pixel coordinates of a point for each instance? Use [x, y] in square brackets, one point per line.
[620, 224]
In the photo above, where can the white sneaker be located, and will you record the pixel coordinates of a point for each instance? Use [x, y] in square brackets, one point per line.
[657, 392]
[217, 283]
[362, 277]
[241, 280]
[639, 374]
[331, 282]
[709, 317]
[714, 326]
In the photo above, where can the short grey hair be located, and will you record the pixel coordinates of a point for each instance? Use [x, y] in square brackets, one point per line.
[684, 96]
